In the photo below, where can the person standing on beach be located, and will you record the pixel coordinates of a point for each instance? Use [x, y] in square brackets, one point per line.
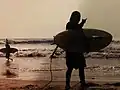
[75, 59]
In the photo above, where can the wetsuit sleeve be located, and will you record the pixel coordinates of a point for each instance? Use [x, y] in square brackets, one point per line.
[81, 24]
[87, 45]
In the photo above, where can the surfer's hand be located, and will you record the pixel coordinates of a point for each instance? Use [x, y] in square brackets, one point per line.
[84, 20]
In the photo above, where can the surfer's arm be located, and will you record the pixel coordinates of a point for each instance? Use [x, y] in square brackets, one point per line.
[82, 23]
[87, 44]
[54, 52]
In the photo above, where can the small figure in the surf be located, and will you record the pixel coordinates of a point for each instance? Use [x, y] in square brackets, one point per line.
[8, 51]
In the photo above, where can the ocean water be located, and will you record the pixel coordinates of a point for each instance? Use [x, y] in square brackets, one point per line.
[43, 48]
[32, 61]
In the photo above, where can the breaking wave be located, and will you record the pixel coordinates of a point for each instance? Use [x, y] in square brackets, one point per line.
[105, 53]
[111, 51]
[38, 41]
[27, 41]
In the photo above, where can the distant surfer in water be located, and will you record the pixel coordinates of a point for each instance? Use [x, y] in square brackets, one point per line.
[8, 51]
[75, 59]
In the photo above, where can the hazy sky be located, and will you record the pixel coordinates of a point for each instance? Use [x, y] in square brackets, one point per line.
[45, 18]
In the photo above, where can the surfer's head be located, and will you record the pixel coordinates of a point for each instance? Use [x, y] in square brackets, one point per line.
[75, 17]
[7, 41]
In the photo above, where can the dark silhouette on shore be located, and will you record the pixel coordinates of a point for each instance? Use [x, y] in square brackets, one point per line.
[7, 53]
[8, 50]
[75, 59]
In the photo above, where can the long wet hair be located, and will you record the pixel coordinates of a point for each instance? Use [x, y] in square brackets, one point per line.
[75, 17]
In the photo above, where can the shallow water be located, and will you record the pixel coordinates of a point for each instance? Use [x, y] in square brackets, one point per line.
[38, 69]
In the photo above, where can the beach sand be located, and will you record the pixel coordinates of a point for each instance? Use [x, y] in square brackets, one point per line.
[34, 74]
[10, 84]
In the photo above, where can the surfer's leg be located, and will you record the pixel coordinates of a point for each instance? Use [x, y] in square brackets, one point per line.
[8, 59]
[7, 56]
[82, 75]
[68, 77]
[11, 59]
[7, 63]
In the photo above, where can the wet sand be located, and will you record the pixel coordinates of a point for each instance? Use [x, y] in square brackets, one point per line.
[33, 74]
[38, 69]
[10, 84]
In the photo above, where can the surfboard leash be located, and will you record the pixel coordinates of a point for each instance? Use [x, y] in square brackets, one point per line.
[74, 85]
[51, 75]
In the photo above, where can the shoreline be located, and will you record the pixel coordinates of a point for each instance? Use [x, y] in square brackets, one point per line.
[13, 84]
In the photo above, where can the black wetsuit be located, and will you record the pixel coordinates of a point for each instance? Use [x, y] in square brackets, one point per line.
[76, 59]
[7, 51]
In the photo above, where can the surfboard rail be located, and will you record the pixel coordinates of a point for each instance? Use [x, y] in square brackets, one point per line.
[12, 50]
[71, 40]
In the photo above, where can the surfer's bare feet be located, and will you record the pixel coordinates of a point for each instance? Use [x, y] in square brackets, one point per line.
[11, 59]
[7, 63]
[84, 84]
[67, 87]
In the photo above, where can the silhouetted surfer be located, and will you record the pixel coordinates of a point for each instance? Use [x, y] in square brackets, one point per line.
[75, 59]
[8, 51]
